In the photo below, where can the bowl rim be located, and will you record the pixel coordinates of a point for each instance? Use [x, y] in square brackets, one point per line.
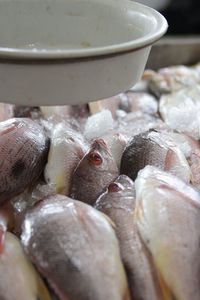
[85, 53]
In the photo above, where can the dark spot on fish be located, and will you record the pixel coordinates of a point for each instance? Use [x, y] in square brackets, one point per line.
[95, 158]
[114, 188]
[18, 168]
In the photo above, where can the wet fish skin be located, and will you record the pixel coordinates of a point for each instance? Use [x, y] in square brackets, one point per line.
[191, 149]
[94, 173]
[167, 216]
[118, 203]
[75, 248]
[116, 143]
[66, 150]
[23, 149]
[152, 148]
[18, 278]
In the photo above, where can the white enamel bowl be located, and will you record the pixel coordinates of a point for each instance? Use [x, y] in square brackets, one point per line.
[73, 51]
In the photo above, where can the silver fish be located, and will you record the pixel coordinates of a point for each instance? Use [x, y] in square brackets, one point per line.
[167, 215]
[191, 149]
[94, 173]
[75, 248]
[118, 202]
[152, 148]
[23, 150]
[18, 278]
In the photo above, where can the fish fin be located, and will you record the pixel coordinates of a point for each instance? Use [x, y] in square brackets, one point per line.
[166, 292]
[43, 293]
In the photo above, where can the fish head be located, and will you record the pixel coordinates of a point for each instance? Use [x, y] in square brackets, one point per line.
[99, 156]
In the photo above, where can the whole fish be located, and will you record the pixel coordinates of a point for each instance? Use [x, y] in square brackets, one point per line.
[167, 215]
[94, 173]
[18, 278]
[75, 248]
[153, 148]
[23, 151]
[118, 202]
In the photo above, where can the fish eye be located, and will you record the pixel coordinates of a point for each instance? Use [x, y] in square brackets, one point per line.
[95, 158]
[114, 188]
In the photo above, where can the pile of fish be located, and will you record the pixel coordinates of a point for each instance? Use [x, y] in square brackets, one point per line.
[102, 201]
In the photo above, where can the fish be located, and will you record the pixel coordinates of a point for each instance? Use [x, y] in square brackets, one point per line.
[118, 203]
[93, 173]
[167, 216]
[116, 143]
[181, 111]
[153, 148]
[23, 150]
[191, 149]
[75, 247]
[173, 79]
[19, 280]
[66, 150]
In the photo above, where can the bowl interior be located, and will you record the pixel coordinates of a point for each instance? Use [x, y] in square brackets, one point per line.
[35, 26]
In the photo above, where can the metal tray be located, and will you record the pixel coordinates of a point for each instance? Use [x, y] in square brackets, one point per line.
[174, 51]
